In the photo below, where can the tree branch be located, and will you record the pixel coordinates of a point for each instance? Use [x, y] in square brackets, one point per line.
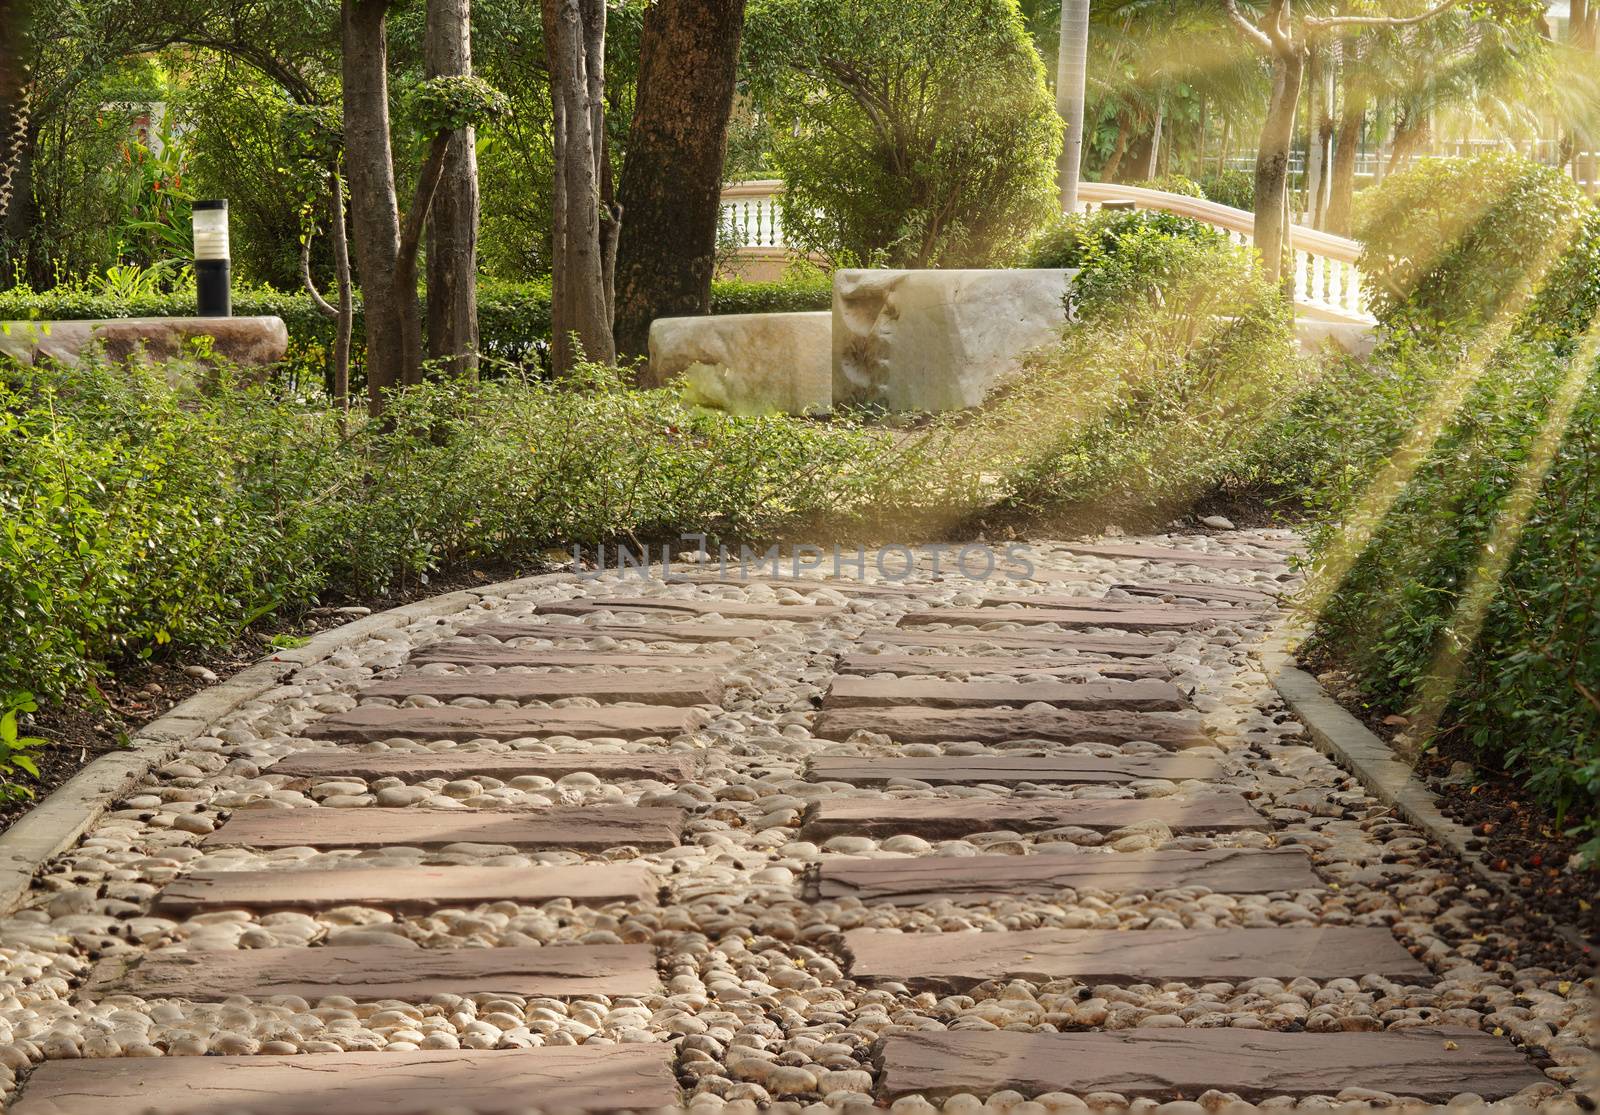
[1246, 28]
[427, 185]
[322, 303]
[1380, 20]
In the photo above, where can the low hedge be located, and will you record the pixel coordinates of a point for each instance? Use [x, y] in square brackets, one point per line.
[513, 318]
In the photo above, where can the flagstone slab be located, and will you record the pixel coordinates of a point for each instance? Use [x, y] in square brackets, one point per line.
[480, 654]
[918, 880]
[1152, 617]
[686, 631]
[956, 962]
[592, 828]
[1066, 642]
[926, 725]
[1140, 611]
[1091, 696]
[489, 1082]
[952, 818]
[1200, 590]
[1010, 770]
[406, 889]
[1172, 555]
[380, 722]
[418, 766]
[680, 689]
[802, 584]
[1429, 1064]
[695, 606]
[946, 664]
[380, 972]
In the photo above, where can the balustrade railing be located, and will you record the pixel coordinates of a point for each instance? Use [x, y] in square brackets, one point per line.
[1327, 282]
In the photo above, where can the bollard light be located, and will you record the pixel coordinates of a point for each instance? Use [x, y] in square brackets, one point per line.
[212, 269]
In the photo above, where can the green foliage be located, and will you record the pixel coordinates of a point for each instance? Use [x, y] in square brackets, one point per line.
[1081, 239]
[447, 104]
[1523, 702]
[1159, 394]
[911, 133]
[16, 749]
[1230, 187]
[1455, 240]
[133, 518]
[1458, 557]
[1175, 184]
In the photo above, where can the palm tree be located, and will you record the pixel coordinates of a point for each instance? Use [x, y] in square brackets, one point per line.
[1071, 77]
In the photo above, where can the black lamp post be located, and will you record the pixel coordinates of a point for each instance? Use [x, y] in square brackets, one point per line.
[212, 269]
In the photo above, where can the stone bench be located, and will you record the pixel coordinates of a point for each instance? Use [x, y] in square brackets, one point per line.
[747, 363]
[248, 341]
[914, 341]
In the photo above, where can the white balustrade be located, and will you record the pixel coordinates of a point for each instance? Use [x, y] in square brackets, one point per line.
[1327, 283]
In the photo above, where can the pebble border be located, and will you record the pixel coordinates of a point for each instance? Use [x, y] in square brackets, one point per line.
[56, 823]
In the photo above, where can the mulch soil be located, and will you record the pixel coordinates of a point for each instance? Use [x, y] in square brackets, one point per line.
[135, 693]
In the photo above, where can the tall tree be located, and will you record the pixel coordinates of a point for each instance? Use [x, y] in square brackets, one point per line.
[1283, 39]
[391, 314]
[1071, 78]
[15, 124]
[453, 219]
[585, 222]
[672, 178]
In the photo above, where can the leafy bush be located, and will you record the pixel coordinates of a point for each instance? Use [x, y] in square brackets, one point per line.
[908, 133]
[1175, 184]
[1468, 585]
[514, 318]
[135, 518]
[1179, 358]
[1079, 239]
[1230, 187]
[1452, 241]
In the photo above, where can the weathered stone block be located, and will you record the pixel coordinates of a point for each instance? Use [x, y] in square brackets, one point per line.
[747, 363]
[938, 340]
[249, 341]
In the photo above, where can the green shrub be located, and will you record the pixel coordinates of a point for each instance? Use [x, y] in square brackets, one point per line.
[1449, 242]
[1175, 184]
[135, 518]
[1080, 239]
[1159, 394]
[907, 133]
[1230, 187]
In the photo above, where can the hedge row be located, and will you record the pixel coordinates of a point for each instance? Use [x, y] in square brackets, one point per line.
[513, 318]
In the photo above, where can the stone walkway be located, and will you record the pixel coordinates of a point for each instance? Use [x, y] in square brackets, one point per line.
[1014, 846]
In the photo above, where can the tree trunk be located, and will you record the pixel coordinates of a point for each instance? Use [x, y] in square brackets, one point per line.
[672, 180]
[1071, 78]
[1315, 64]
[374, 207]
[345, 322]
[1108, 173]
[1153, 162]
[1347, 144]
[1272, 162]
[453, 218]
[581, 303]
[16, 128]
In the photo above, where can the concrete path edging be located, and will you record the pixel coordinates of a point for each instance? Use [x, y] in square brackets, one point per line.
[1339, 735]
[53, 825]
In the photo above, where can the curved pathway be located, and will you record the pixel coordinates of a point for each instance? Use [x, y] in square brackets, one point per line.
[1028, 846]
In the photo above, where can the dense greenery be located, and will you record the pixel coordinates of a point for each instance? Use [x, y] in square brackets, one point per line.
[135, 517]
[1456, 476]
[912, 133]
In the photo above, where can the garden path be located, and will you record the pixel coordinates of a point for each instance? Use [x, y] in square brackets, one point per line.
[1037, 845]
